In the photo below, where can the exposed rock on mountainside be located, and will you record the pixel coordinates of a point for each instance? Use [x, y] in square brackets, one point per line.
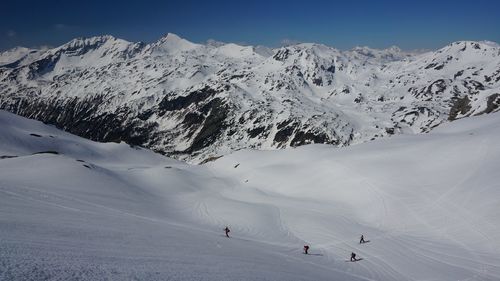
[194, 101]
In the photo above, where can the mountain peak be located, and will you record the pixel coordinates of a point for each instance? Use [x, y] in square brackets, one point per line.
[90, 40]
[214, 43]
[172, 43]
[467, 46]
[172, 37]
[87, 42]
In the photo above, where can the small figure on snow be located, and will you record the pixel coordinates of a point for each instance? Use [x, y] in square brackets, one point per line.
[306, 249]
[226, 230]
[353, 257]
[362, 240]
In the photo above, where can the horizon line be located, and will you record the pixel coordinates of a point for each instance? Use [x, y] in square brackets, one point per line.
[244, 44]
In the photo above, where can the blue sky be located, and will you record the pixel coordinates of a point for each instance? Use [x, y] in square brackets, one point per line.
[344, 24]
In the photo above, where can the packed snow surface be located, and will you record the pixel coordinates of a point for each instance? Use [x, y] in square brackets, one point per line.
[73, 209]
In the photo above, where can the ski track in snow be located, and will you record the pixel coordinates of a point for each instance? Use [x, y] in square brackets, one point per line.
[433, 204]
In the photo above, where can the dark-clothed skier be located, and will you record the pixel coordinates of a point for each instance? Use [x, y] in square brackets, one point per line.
[226, 230]
[362, 240]
[353, 256]
[306, 249]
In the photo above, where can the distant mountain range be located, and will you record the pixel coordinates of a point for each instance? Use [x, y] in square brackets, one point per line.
[195, 102]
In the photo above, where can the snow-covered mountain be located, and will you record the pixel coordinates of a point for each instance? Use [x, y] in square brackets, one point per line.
[74, 209]
[199, 101]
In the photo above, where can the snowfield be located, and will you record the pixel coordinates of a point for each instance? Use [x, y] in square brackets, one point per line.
[73, 209]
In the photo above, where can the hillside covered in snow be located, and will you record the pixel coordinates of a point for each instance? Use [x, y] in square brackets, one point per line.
[199, 101]
[74, 209]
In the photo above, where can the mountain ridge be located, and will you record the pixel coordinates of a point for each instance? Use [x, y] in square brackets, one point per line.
[196, 101]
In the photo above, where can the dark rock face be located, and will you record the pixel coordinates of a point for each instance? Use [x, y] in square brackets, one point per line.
[183, 102]
[318, 81]
[458, 74]
[282, 54]
[284, 134]
[439, 67]
[42, 66]
[435, 88]
[214, 125]
[359, 99]
[474, 86]
[285, 131]
[192, 119]
[302, 138]
[331, 69]
[145, 114]
[255, 132]
[459, 106]
[81, 117]
[389, 131]
[492, 104]
[431, 65]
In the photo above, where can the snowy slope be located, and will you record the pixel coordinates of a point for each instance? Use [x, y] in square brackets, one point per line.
[197, 101]
[429, 204]
[111, 212]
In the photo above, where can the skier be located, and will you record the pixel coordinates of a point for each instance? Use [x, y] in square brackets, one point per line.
[226, 230]
[362, 240]
[306, 249]
[353, 257]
